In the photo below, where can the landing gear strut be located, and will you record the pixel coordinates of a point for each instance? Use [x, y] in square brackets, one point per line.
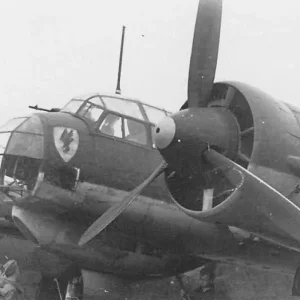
[48, 290]
[68, 286]
[74, 288]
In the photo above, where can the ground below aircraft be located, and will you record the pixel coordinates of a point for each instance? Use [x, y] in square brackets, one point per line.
[109, 190]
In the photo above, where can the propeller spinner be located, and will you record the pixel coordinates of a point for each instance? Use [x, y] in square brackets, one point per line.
[201, 77]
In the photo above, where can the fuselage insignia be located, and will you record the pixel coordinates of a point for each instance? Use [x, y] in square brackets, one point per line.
[66, 142]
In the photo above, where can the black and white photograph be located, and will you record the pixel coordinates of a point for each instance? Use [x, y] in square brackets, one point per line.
[150, 150]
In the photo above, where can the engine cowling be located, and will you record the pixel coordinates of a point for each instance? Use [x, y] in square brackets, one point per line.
[226, 126]
[253, 188]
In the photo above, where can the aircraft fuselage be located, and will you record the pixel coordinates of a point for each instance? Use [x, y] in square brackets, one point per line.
[77, 172]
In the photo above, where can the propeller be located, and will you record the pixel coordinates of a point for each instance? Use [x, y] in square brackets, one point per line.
[111, 214]
[201, 76]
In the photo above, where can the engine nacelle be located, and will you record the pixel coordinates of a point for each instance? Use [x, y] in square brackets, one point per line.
[257, 189]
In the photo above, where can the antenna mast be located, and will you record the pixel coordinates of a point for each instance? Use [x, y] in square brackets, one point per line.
[118, 88]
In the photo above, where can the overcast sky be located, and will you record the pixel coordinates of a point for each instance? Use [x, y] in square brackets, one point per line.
[51, 51]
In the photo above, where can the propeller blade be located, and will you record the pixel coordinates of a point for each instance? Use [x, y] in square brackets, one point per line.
[111, 214]
[204, 55]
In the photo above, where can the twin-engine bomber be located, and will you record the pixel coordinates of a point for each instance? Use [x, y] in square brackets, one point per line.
[109, 190]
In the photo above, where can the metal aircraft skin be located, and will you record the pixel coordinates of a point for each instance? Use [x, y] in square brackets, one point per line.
[88, 188]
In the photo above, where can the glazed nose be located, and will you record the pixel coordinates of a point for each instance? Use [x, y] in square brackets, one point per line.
[164, 133]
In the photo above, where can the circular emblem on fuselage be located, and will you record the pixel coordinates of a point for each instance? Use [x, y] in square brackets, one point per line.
[66, 141]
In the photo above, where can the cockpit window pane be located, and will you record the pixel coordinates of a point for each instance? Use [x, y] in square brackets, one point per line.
[26, 144]
[112, 125]
[72, 106]
[96, 100]
[154, 114]
[95, 113]
[91, 112]
[123, 106]
[4, 137]
[135, 132]
[12, 124]
[32, 125]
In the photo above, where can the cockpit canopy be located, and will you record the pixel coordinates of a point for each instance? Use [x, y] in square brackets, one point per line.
[91, 107]
[119, 117]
